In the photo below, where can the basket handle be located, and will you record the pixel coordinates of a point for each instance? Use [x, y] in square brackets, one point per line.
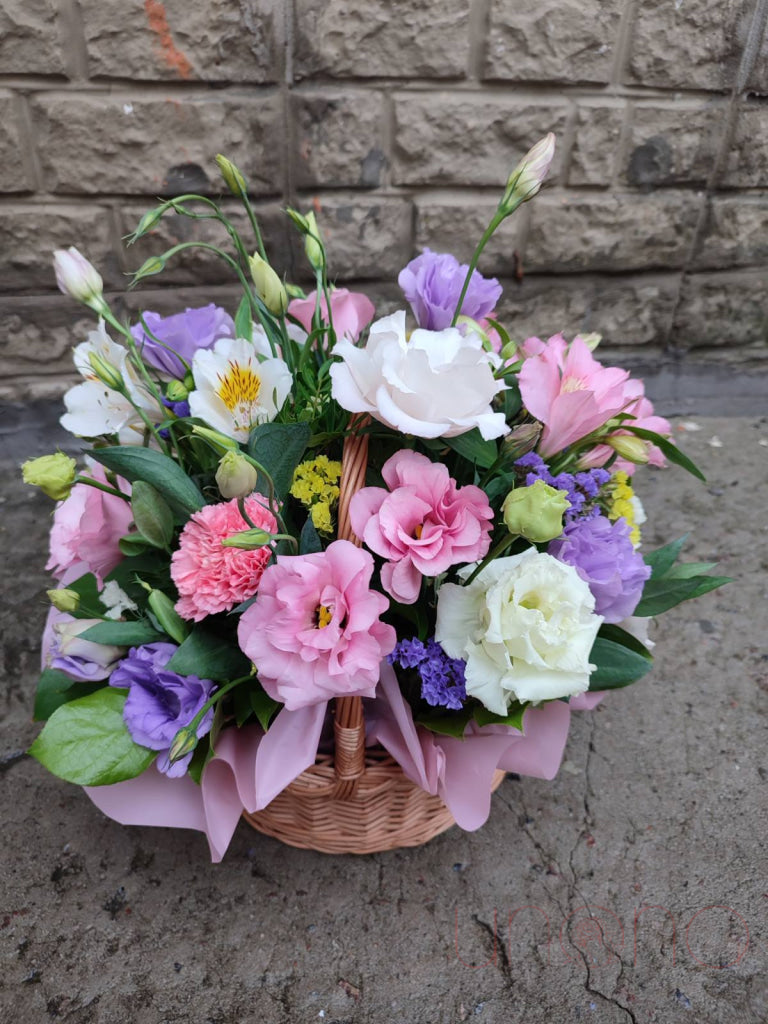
[348, 723]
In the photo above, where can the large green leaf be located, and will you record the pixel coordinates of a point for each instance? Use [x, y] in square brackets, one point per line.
[309, 539]
[609, 631]
[152, 514]
[617, 665]
[263, 707]
[123, 634]
[208, 655]
[279, 448]
[86, 742]
[136, 463]
[447, 723]
[473, 447]
[244, 320]
[55, 688]
[662, 559]
[668, 448]
[513, 718]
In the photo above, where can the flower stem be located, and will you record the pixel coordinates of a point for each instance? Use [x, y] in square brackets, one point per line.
[493, 553]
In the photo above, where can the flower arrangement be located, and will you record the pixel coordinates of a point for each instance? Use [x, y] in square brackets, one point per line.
[210, 608]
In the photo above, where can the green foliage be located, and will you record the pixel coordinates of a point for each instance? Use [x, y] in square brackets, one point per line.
[279, 448]
[165, 475]
[473, 447]
[152, 515]
[617, 664]
[208, 654]
[55, 688]
[671, 584]
[123, 634]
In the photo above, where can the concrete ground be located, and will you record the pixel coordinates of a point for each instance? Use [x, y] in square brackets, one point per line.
[660, 804]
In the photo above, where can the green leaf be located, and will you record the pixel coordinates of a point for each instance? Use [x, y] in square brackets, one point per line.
[309, 540]
[87, 588]
[662, 594]
[123, 634]
[55, 688]
[662, 559]
[514, 717]
[686, 570]
[617, 665]
[136, 463]
[279, 447]
[668, 448]
[208, 655]
[447, 724]
[134, 544]
[200, 759]
[263, 707]
[244, 320]
[86, 741]
[473, 447]
[152, 514]
[617, 635]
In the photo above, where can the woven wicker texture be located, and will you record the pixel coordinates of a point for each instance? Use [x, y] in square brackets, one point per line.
[357, 801]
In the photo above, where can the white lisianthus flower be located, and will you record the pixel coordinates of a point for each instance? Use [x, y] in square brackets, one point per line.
[435, 384]
[525, 627]
[235, 391]
[93, 408]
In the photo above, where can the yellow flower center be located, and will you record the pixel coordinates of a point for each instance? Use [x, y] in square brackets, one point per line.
[324, 616]
[239, 387]
[418, 531]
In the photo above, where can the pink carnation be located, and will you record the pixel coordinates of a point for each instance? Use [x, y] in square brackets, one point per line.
[314, 630]
[351, 311]
[568, 390]
[212, 578]
[423, 525]
[87, 526]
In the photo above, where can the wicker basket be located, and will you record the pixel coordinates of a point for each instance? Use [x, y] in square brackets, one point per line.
[359, 800]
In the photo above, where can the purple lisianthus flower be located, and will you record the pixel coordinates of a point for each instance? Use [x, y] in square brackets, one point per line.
[432, 284]
[603, 555]
[185, 333]
[161, 702]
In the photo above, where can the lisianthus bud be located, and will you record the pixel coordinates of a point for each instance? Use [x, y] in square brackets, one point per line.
[53, 474]
[107, 372]
[633, 449]
[184, 742]
[177, 391]
[64, 600]
[525, 181]
[269, 287]
[248, 540]
[591, 340]
[298, 219]
[295, 291]
[235, 477]
[234, 180]
[78, 278]
[535, 512]
[220, 442]
[521, 440]
[163, 609]
[313, 246]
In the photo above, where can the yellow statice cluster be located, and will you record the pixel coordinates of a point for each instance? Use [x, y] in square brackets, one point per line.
[620, 495]
[316, 485]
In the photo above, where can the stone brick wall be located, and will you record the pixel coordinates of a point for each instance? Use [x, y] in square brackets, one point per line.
[399, 120]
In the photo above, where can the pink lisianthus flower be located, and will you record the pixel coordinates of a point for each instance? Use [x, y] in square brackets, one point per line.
[568, 390]
[423, 525]
[314, 630]
[87, 527]
[351, 312]
[209, 577]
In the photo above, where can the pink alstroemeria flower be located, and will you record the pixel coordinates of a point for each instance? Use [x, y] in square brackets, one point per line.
[351, 312]
[568, 390]
[423, 525]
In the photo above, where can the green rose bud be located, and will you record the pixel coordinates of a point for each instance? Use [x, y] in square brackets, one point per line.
[535, 512]
[64, 600]
[53, 474]
[235, 477]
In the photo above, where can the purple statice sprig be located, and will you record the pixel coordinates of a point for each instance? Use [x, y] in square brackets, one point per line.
[581, 488]
[442, 678]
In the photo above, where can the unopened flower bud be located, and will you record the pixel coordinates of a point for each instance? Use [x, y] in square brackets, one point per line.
[64, 600]
[78, 278]
[53, 474]
[106, 372]
[313, 243]
[234, 180]
[184, 742]
[148, 221]
[521, 440]
[235, 477]
[591, 340]
[170, 621]
[535, 512]
[525, 181]
[631, 448]
[295, 291]
[471, 326]
[154, 265]
[269, 287]
[220, 442]
[298, 219]
[509, 352]
[248, 540]
[177, 391]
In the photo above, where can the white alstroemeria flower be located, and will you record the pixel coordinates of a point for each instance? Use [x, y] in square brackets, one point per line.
[235, 391]
[435, 384]
[525, 627]
[93, 408]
